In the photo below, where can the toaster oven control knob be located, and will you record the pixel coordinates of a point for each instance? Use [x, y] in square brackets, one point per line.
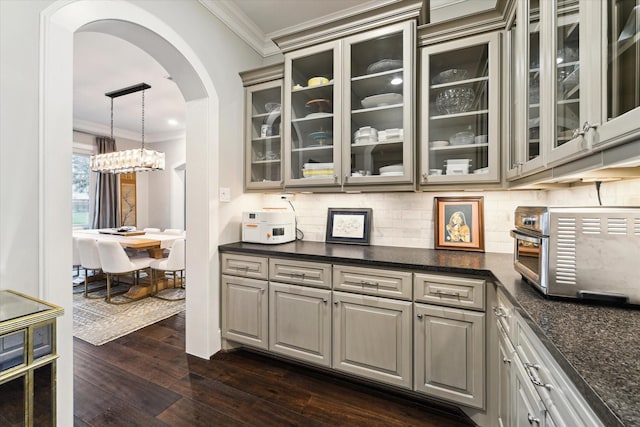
[268, 235]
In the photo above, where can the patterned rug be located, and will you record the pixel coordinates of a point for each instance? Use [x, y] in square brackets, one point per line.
[97, 322]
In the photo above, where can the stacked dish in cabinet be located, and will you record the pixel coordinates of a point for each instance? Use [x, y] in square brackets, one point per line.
[312, 115]
[266, 147]
[458, 129]
[377, 107]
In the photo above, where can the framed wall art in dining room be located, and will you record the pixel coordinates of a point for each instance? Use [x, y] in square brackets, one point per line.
[459, 223]
[348, 225]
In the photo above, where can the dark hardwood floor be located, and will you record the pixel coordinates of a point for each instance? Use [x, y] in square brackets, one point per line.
[146, 379]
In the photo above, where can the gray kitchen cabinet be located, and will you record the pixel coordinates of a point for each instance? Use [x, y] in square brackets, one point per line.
[372, 281]
[453, 291]
[300, 322]
[245, 310]
[506, 353]
[263, 131]
[304, 273]
[372, 338]
[460, 135]
[576, 64]
[533, 389]
[245, 266]
[449, 354]
[348, 110]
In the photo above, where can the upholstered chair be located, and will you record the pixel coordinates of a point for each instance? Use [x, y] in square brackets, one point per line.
[75, 257]
[151, 230]
[174, 263]
[173, 231]
[89, 259]
[115, 262]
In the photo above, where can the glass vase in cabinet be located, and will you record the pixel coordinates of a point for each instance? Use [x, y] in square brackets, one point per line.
[378, 104]
[263, 156]
[311, 116]
[459, 129]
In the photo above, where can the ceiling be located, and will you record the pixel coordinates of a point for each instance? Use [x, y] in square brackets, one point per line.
[103, 63]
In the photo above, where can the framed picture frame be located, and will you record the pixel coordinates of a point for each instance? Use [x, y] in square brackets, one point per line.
[459, 223]
[348, 225]
[128, 207]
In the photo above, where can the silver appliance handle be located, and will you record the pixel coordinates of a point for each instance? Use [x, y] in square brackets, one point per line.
[516, 234]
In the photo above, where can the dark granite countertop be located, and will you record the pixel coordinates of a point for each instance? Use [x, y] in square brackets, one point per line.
[596, 345]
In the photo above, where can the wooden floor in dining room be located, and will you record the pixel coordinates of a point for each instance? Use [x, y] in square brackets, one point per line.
[146, 379]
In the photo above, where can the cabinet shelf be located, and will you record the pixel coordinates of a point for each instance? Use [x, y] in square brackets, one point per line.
[317, 148]
[460, 82]
[457, 115]
[265, 162]
[266, 138]
[466, 147]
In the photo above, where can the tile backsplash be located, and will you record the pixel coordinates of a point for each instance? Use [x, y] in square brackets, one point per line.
[406, 219]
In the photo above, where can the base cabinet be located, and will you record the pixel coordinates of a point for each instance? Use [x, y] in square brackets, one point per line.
[300, 322]
[372, 337]
[245, 309]
[449, 354]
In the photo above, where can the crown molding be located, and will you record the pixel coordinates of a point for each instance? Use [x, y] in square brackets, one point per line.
[238, 22]
[99, 129]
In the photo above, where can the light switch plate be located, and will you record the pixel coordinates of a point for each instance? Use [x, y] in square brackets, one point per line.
[225, 194]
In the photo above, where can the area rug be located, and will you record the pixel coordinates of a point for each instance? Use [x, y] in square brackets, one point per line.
[97, 322]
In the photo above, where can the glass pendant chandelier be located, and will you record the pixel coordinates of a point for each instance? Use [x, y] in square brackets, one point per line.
[128, 161]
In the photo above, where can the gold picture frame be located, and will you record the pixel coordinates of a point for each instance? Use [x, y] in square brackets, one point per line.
[128, 211]
[459, 223]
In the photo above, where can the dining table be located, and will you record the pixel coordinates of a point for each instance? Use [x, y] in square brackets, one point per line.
[154, 243]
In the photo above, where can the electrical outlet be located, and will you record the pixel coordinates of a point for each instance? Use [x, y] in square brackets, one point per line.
[225, 194]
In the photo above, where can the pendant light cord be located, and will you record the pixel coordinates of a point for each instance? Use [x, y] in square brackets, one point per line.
[142, 150]
[112, 120]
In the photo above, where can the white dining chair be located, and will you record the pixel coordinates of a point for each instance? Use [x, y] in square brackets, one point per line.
[173, 231]
[174, 264]
[115, 262]
[89, 259]
[151, 230]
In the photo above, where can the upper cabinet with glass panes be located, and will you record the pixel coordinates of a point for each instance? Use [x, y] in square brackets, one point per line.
[348, 110]
[575, 62]
[459, 126]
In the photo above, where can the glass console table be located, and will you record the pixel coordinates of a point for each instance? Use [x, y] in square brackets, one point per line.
[27, 360]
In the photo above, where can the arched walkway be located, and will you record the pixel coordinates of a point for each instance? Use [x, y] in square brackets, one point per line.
[127, 21]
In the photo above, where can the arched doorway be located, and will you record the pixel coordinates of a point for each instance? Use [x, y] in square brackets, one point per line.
[145, 30]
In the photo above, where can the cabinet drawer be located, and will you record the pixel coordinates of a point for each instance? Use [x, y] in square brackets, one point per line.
[565, 403]
[388, 283]
[300, 272]
[245, 266]
[504, 313]
[450, 290]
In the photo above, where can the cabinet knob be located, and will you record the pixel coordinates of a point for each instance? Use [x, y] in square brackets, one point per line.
[419, 316]
[336, 302]
[506, 361]
[533, 419]
[324, 300]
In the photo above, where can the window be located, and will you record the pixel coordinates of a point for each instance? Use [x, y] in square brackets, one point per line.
[80, 190]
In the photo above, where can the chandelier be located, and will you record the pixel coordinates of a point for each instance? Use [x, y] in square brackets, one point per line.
[127, 161]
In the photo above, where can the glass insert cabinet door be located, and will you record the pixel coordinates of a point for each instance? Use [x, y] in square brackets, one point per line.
[312, 115]
[378, 104]
[623, 39]
[264, 156]
[460, 136]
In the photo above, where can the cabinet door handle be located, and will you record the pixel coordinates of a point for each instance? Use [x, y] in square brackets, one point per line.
[336, 302]
[506, 361]
[533, 419]
[420, 316]
[500, 312]
[530, 367]
[324, 300]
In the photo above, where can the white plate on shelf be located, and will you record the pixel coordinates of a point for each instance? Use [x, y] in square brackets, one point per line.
[437, 144]
[382, 100]
[391, 173]
[317, 115]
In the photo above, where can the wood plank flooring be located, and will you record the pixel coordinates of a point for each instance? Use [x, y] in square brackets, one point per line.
[146, 379]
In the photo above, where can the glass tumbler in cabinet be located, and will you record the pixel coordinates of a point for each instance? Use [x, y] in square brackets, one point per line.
[312, 111]
[460, 134]
[378, 102]
[264, 148]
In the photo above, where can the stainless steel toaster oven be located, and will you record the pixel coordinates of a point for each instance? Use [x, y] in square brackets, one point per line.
[580, 252]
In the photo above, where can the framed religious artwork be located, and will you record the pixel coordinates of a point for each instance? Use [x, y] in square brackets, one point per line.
[459, 223]
[346, 225]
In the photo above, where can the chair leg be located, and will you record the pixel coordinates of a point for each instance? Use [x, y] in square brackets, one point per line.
[86, 282]
[108, 288]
